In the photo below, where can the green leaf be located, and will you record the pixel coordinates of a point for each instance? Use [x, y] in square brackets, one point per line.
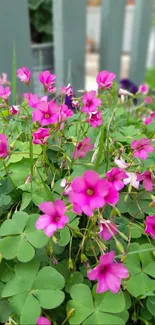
[49, 299]
[26, 199]
[151, 305]
[132, 260]
[31, 311]
[73, 279]
[64, 236]
[9, 247]
[5, 311]
[104, 301]
[15, 225]
[85, 311]
[36, 237]
[98, 318]
[49, 278]
[25, 251]
[139, 285]
[5, 200]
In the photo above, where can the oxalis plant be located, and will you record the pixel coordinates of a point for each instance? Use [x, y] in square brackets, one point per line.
[77, 205]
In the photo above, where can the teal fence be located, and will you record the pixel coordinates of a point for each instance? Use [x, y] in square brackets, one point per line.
[69, 18]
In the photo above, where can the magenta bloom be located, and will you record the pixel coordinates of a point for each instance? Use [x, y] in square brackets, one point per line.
[43, 321]
[3, 146]
[3, 79]
[33, 99]
[147, 120]
[64, 113]
[115, 176]
[24, 74]
[5, 92]
[91, 102]
[47, 79]
[52, 89]
[105, 79]
[107, 229]
[146, 177]
[148, 100]
[108, 274]
[152, 115]
[54, 217]
[14, 110]
[95, 119]
[150, 225]
[40, 136]
[67, 90]
[143, 89]
[90, 192]
[142, 148]
[75, 103]
[82, 148]
[46, 113]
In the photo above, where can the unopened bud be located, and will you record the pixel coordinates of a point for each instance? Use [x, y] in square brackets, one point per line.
[70, 313]
[70, 263]
[54, 239]
[83, 258]
[12, 145]
[1, 257]
[119, 246]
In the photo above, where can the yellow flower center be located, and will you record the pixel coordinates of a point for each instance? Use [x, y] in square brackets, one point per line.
[90, 192]
[47, 116]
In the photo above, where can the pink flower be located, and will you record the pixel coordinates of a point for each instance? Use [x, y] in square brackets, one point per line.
[33, 99]
[24, 74]
[143, 88]
[148, 100]
[64, 113]
[43, 321]
[75, 103]
[147, 120]
[132, 180]
[47, 79]
[5, 92]
[152, 114]
[27, 96]
[46, 113]
[105, 79]
[108, 274]
[142, 148]
[3, 146]
[3, 79]
[40, 136]
[67, 90]
[115, 176]
[52, 89]
[53, 218]
[82, 148]
[91, 102]
[95, 119]
[121, 163]
[150, 225]
[107, 229]
[66, 185]
[146, 177]
[14, 110]
[90, 192]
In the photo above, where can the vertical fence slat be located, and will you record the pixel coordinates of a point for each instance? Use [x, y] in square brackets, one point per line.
[15, 30]
[112, 22]
[69, 41]
[140, 40]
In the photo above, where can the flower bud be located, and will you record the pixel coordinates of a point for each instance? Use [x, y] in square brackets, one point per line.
[119, 246]
[83, 258]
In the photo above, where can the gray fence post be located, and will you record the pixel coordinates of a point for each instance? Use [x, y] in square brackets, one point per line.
[141, 32]
[69, 18]
[112, 22]
[15, 31]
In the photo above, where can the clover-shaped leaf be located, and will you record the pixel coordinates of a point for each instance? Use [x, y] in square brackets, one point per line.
[95, 309]
[29, 290]
[20, 235]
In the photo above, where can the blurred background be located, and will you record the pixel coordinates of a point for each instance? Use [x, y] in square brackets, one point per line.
[76, 39]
